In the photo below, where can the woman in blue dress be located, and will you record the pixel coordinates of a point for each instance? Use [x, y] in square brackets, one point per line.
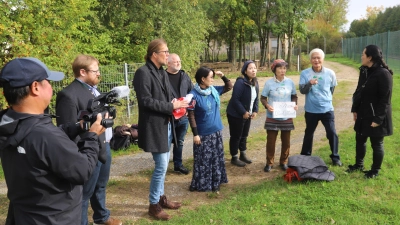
[205, 120]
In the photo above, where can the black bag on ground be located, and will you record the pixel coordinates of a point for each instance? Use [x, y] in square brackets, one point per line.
[123, 137]
[310, 168]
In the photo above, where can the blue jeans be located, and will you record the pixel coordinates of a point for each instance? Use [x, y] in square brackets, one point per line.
[181, 127]
[95, 190]
[328, 120]
[161, 161]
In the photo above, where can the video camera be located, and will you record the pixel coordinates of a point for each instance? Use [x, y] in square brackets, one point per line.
[101, 104]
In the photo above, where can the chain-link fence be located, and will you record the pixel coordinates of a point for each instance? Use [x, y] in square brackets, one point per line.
[235, 58]
[111, 76]
[388, 42]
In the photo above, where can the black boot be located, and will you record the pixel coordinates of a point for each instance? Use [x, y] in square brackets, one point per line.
[371, 174]
[235, 161]
[244, 158]
[267, 168]
[354, 168]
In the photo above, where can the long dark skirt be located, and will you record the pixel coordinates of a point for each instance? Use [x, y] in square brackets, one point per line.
[209, 164]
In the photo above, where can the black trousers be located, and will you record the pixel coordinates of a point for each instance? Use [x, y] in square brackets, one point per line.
[328, 120]
[377, 151]
[238, 130]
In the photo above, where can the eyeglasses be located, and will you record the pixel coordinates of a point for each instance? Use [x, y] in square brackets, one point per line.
[93, 71]
[166, 52]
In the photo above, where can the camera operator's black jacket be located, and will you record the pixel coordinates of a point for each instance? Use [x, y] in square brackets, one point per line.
[70, 101]
[44, 170]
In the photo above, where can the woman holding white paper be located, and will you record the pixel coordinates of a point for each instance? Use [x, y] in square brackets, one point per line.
[278, 89]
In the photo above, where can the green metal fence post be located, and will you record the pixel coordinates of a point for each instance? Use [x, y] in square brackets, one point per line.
[387, 46]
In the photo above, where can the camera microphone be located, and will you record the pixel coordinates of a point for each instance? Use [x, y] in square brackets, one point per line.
[121, 91]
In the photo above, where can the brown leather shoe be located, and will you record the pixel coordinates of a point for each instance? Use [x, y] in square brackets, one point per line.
[168, 204]
[111, 221]
[156, 211]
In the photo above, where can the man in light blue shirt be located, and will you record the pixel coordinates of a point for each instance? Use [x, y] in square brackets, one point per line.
[318, 84]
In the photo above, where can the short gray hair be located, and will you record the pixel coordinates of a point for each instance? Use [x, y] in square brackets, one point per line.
[318, 50]
[172, 55]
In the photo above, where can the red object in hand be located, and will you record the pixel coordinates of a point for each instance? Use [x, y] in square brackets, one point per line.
[192, 104]
[178, 113]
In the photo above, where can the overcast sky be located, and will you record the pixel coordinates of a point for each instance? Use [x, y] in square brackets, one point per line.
[358, 8]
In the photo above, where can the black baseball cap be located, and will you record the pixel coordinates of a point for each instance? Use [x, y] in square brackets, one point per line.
[21, 72]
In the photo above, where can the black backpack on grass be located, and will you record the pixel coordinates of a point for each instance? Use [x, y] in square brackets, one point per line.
[124, 136]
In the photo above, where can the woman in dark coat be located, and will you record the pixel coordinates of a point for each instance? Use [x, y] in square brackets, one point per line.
[242, 108]
[372, 110]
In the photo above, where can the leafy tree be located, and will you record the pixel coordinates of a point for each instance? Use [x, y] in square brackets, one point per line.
[264, 16]
[325, 27]
[53, 32]
[359, 27]
[377, 20]
[215, 37]
[230, 24]
[183, 24]
[373, 11]
[294, 14]
[185, 27]
[389, 20]
[245, 30]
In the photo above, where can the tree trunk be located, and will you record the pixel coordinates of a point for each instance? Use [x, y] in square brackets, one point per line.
[262, 50]
[277, 46]
[229, 51]
[289, 56]
[240, 47]
[233, 52]
[268, 53]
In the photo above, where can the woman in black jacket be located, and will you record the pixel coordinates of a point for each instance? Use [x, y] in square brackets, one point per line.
[372, 110]
[241, 109]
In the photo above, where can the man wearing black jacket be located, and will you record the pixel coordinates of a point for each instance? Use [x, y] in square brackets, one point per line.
[155, 106]
[70, 101]
[44, 170]
[181, 85]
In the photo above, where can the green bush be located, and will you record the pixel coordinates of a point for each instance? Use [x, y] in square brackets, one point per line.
[304, 61]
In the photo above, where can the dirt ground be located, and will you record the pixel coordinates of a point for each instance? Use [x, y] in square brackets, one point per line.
[128, 189]
[128, 199]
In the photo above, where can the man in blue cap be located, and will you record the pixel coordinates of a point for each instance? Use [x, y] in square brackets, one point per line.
[44, 170]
